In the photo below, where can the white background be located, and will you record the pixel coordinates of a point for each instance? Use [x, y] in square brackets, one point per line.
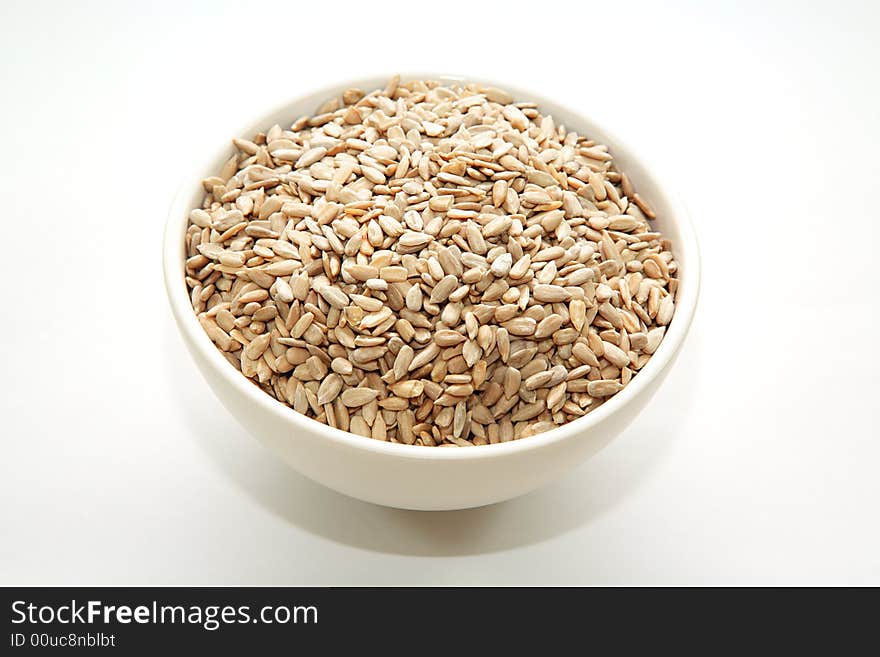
[758, 461]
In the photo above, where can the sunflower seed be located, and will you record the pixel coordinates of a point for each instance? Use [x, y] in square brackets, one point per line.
[548, 326]
[550, 293]
[603, 388]
[430, 264]
[408, 389]
[354, 397]
[330, 387]
[443, 289]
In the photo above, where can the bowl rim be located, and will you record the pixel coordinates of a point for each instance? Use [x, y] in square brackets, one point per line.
[676, 331]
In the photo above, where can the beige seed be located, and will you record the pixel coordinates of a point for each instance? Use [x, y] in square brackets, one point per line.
[414, 298]
[577, 311]
[360, 272]
[379, 430]
[501, 265]
[359, 426]
[640, 202]
[503, 342]
[329, 388]
[497, 95]
[257, 346]
[301, 325]
[496, 227]
[424, 357]
[499, 192]
[512, 380]
[341, 366]
[528, 411]
[493, 272]
[300, 286]
[612, 314]
[521, 326]
[449, 261]
[334, 296]
[603, 388]
[414, 240]
[442, 290]
[624, 223]
[372, 320]
[538, 380]
[393, 274]
[281, 291]
[520, 267]
[471, 353]
[598, 186]
[556, 396]
[405, 424]
[402, 361]
[370, 304]
[448, 338]
[408, 389]
[584, 354]
[479, 372]
[550, 293]
[365, 355]
[548, 326]
[231, 259]
[354, 397]
[581, 276]
[253, 296]
[245, 145]
[550, 253]
[310, 157]
[653, 339]
[459, 419]
[565, 336]
[615, 355]
[667, 308]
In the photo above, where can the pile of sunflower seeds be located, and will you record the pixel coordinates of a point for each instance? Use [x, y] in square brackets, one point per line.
[430, 264]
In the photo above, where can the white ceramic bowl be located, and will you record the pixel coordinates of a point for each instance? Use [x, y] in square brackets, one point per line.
[409, 476]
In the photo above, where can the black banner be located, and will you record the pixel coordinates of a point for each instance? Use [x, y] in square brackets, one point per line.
[151, 619]
[147, 620]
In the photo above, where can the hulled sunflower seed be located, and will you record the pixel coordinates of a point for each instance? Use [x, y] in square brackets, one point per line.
[330, 387]
[354, 397]
[603, 388]
[430, 264]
